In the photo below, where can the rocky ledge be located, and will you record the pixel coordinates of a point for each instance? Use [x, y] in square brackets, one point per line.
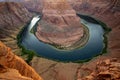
[60, 25]
[108, 69]
[14, 68]
[11, 74]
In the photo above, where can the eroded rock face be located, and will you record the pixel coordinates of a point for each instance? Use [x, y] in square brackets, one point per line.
[31, 5]
[11, 74]
[108, 69]
[59, 25]
[13, 17]
[9, 60]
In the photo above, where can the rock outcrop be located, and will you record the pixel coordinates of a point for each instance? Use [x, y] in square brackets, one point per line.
[108, 69]
[11, 74]
[59, 25]
[14, 63]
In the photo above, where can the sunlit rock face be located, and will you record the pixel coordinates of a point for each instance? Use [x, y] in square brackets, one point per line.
[11, 74]
[108, 69]
[13, 67]
[59, 25]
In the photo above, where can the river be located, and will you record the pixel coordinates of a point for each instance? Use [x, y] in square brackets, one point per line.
[93, 47]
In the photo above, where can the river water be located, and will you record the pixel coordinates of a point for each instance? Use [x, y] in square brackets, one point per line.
[92, 48]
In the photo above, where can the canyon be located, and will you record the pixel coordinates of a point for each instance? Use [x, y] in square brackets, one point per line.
[105, 10]
[100, 9]
[10, 69]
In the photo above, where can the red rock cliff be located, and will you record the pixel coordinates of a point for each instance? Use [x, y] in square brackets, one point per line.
[8, 59]
[11, 74]
[108, 69]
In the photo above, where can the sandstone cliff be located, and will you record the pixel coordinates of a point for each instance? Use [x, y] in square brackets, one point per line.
[59, 25]
[11, 74]
[8, 59]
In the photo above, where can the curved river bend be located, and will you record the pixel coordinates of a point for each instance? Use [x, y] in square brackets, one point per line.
[92, 48]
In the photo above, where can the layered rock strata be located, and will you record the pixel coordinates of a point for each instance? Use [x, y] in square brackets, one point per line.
[108, 69]
[13, 17]
[11, 74]
[59, 25]
[10, 60]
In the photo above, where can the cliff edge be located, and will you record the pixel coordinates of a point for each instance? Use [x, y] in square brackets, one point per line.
[8, 59]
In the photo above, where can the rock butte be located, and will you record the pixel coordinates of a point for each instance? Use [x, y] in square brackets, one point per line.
[59, 25]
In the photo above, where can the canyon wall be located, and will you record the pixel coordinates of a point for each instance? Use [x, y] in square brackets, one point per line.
[31, 5]
[11, 74]
[10, 60]
[13, 17]
[100, 9]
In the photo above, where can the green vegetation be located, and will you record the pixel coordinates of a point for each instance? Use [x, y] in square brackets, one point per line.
[106, 32]
[30, 54]
[32, 31]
